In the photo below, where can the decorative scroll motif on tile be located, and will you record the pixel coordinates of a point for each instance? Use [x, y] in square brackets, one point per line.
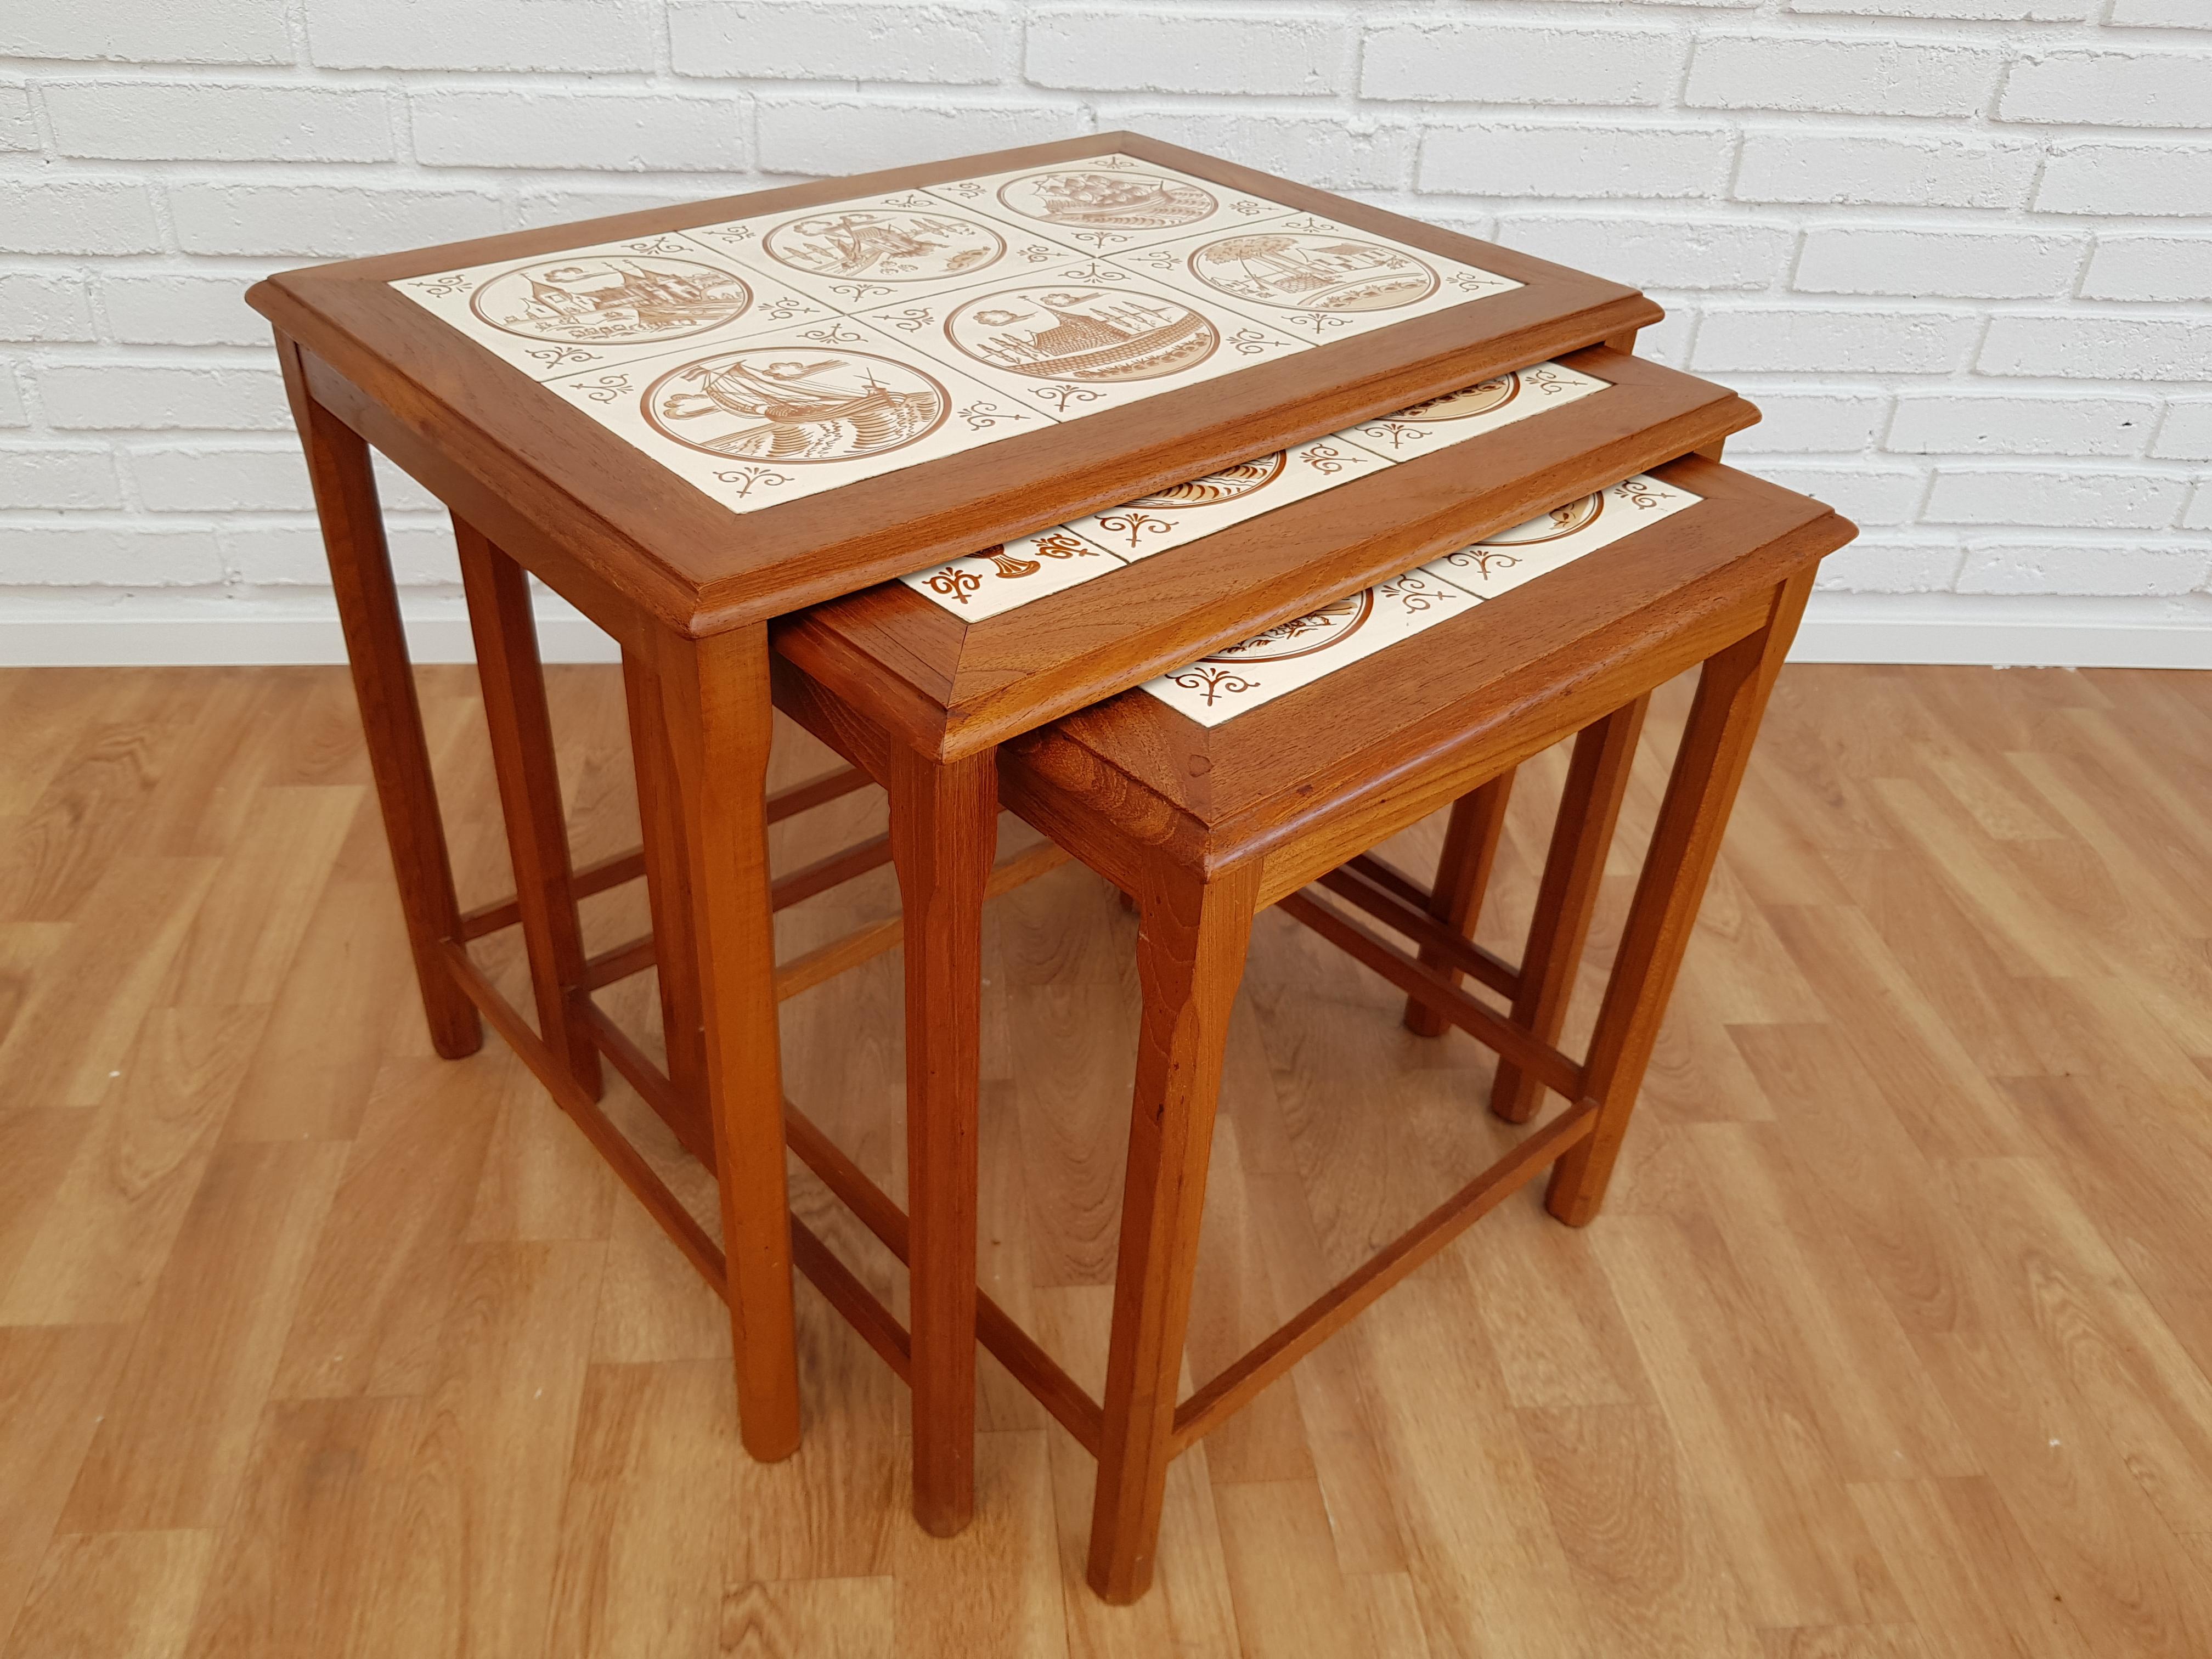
[1296, 653]
[1184, 513]
[868, 335]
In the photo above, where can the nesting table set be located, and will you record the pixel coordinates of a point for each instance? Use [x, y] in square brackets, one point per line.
[1219, 527]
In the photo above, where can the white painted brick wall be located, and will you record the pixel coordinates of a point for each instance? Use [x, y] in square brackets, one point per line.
[19, 128]
[1909, 260]
[822, 40]
[531, 126]
[2167, 268]
[1121, 48]
[1960, 251]
[1461, 60]
[144, 120]
[2186, 433]
[1982, 424]
[2110, 88]
[2152, 181]
[2170, 14]
[1854, 75]
[1817, 162]
[558, 37]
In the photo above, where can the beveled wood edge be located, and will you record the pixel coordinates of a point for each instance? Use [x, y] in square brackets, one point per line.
[312, 305]
[907, 659]
[1083, 771]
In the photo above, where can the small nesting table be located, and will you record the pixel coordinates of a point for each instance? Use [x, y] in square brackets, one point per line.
[1259, 775]
[691, 422]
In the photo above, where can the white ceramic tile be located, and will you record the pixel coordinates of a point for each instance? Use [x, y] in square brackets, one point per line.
[1012, 573]
[917, 324]
[1110, 202]
[878, 249]
[773, 419]
[1081, 338]
[1307, 649]
[1559, 537]
[589, 308]
[1319, 279]
[1458, 415]
[1185, 512]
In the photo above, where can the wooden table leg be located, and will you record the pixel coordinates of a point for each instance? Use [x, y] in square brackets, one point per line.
[1190, 958]
[383, 685]
[1732, 693]
[713, 701]
[529, 773]
[667, 882]
[1478, 819]
[944, 830]
[1589, 808]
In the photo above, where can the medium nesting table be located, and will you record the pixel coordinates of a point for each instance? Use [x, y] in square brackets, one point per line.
[691, 422]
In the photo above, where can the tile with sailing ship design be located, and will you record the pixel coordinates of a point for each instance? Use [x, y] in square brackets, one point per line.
[1319, 279]
[875, 249]
[1012, 573]
[1081, 338]
[1184, 512]
[1296, 653]
[1109, 202]
[1473, 410]
[590, 307]
[1522, 554]
[764, 420]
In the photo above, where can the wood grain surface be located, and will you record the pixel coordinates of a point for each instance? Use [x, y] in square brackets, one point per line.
[1893, 1339]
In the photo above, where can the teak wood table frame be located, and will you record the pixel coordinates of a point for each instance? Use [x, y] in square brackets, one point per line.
[919, 702]
[688, 589]
[1205, 826]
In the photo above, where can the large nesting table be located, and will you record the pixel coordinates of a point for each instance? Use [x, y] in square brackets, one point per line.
[691, 422]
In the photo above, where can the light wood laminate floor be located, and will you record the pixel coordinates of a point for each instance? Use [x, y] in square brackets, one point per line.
[1893, 1341]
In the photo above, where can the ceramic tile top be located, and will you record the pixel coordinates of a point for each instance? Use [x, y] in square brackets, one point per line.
[1012, 573]
[876, 249]
[1298, 652]
[907, 327]
[593, 306]
[779, 417]
[989, 584]
[1468, 413]
[1109, 202]
[1200, 506]
[1306, 648]
[1320, 279]
[1078, 338]
[1527, 550]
